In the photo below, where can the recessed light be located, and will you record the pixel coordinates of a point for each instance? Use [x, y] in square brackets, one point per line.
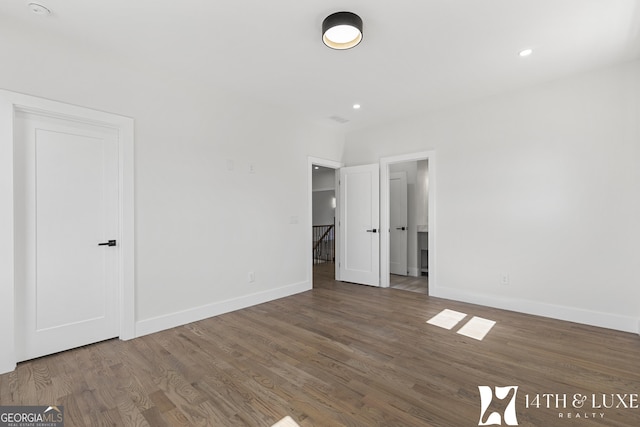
[526, 52]
[316, 167]
[39, 9]
[356, 106]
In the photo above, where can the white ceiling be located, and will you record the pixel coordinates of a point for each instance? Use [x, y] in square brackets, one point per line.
[416, 55]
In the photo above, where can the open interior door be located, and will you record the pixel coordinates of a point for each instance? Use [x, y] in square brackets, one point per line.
[359, 227]
[399, 223]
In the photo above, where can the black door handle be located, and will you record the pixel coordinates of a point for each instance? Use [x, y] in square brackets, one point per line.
[373, 230]
[109, 243]
[401, 228]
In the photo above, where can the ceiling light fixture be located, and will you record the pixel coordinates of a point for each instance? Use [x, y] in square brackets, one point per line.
[356, 106]
[342, 30]
[525, 52]
[39, 9]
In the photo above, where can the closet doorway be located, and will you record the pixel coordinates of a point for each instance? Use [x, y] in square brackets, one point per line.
[407, 213]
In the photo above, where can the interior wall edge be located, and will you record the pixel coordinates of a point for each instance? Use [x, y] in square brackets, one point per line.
[559, 312]
[7, 362]
[180, 318]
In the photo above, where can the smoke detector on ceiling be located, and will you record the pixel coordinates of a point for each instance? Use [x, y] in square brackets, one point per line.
[39, 9]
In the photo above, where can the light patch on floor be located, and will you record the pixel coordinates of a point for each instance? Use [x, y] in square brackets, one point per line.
[447, 319]
[286, 422]
[477, 328]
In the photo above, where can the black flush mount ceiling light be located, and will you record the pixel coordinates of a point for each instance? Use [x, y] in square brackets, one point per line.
[342, 30]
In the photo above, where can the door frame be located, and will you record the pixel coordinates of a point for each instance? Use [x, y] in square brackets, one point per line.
[385, 214]
[311, 161]
[10, 102]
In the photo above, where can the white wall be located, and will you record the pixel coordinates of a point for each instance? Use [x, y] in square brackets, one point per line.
[542, 184]
[323, 179]
[323, 183]
[323, 211]
[200, 228]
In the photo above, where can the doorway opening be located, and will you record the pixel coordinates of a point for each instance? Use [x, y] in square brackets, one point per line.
[407, 212]
[323, 222]
[323, 199]
[18, 113]
[408, 220]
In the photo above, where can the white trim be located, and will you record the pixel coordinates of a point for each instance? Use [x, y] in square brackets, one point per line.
[569, 314]
[127, 231]
[179, 318]
[7, 328]
[9, 103]
[324, 189]
[327, 164]
[384, 213]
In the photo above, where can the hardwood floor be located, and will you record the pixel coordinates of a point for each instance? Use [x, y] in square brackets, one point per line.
[409, 283]
[326, 271]
[338, 355]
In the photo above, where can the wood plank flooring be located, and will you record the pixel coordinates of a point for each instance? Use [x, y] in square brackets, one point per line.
[409, 283]
[338, 355]
[326, 271]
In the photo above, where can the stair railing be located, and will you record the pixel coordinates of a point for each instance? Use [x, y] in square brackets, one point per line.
[323, 243]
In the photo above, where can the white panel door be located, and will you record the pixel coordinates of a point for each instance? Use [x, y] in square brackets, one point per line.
[398, 223]
[359, 225]
[66, 186]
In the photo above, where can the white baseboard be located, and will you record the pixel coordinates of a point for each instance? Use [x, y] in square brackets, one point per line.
[7, 366]
[570, 314]
[172, 320]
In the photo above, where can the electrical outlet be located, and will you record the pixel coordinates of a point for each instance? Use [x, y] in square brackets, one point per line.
[504, 279]
[251, 277]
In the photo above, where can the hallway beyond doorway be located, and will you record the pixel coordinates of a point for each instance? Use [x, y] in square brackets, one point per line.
[409, 283]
